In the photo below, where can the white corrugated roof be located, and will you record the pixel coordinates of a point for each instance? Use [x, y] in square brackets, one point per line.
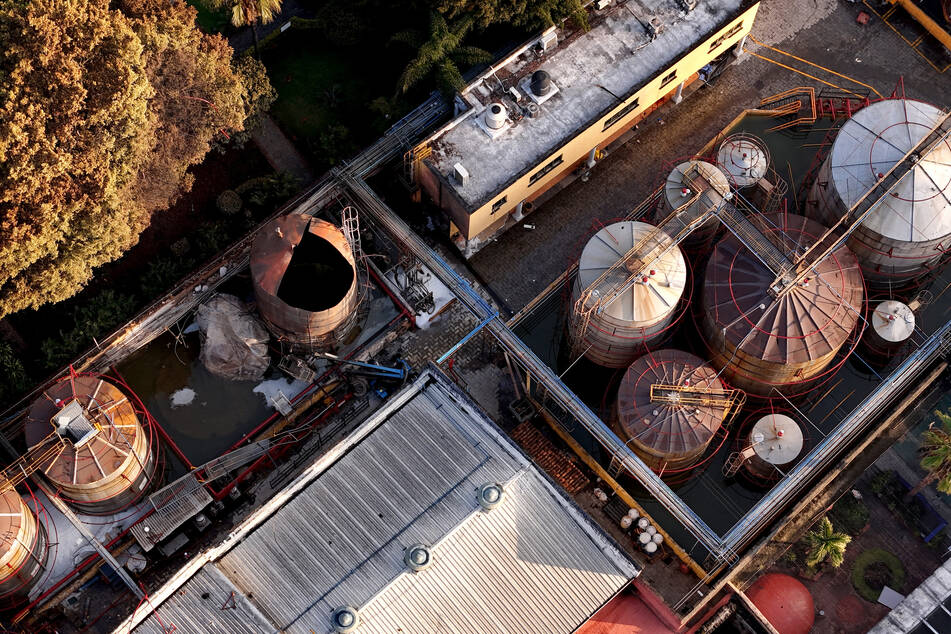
[410, 475]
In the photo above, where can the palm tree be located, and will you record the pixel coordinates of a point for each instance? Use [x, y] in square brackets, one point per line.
[936, 455]
[250, 13]
[441, 54]
[826, 544]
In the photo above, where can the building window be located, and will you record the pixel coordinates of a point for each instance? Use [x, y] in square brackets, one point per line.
[620, 114]
[498, 204]
[537, 175]
[717, 43]
[669, 78]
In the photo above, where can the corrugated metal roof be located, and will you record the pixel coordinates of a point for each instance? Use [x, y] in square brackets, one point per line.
[533, 564]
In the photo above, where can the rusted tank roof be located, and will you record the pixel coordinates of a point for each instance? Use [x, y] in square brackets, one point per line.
[809, 322]
[668, 428]
[321, 284]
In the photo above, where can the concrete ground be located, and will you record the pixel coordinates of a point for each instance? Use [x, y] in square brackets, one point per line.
[821, 31]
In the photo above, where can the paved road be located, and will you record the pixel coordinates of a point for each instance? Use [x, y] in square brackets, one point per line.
[823, 31]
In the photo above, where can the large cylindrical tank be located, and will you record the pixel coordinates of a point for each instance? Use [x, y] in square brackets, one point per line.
[762, 341]
[305, 280]
[638, 316]
[665, 433]
[777, 441]
[679, 190]
[104, 462]
[910, 229]
[23, 546]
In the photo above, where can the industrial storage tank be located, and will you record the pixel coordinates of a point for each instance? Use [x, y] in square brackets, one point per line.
[761, 340]
[776, 441]
[612, 334]
[910, 228]
[658, 420]
[305, 280]
[744, 158]
[23, 546]
[101, 456]
[702, 183]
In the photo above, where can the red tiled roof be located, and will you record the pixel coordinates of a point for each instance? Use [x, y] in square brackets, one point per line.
[626, 613]
[551, 459]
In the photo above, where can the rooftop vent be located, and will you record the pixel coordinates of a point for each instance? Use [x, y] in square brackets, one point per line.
[539, 87]
[418, 557]
[490, 496]
[344, 619]
[71, 423]
[495, 116]
[461, 174]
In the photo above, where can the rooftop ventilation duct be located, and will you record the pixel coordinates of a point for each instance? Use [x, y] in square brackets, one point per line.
[490, 496]
[541, 83]
[495, 116]
[418, 557]
[344, 619]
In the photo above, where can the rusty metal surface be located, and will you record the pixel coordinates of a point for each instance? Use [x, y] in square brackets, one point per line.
[271, 255]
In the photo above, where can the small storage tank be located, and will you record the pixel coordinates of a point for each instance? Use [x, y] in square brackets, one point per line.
[910, 230]
[664, 432]
[23, 546]
[762, 341]
[777, 441]
[893, 322]
[744, 158]
[104, 461]
[679, 190]
[639, 315]
[305, 280]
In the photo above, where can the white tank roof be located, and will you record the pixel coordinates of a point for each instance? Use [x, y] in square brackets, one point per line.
[744, 158]
[893, 321]
[870, 143]
[658, 288]
[675, 182]
[777, 439]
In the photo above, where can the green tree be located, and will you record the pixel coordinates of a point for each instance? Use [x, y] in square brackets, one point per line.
[103, 108]
[250, 13]
[528, 14]
[936, 455]
[14, 379]
[825, 544]
[441, 53]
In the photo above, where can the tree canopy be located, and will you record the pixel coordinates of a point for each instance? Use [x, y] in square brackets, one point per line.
[520, 13]
[103, 108]
[440, 53]
[936, 454]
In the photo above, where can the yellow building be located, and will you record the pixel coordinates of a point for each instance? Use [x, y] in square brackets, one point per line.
[546, 111]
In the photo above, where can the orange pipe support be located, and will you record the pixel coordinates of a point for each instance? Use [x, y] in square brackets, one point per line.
[926, 21]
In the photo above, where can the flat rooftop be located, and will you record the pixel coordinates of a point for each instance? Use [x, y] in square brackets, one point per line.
[409, 475]
[591, 71]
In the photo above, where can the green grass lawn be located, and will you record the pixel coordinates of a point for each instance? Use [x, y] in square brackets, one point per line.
[320, 89]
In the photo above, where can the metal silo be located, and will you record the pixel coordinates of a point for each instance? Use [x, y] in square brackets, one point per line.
[23, 546]
[613, 333]
[305, 280]
[775, 441]
[101, 459]
[763, 340]
[678, 191]
[657, 408]
[909, 230]
[744, 159]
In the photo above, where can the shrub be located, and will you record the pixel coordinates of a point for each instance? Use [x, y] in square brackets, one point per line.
[850, 514]
[14, 380]
[229, 202]
[92, 320]
[875, 568]
[180, 247]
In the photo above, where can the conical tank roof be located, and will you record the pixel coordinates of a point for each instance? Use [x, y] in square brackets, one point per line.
[893, 321]
[658, 287]
[665, 427]
[810, 321]
[743, 158]
[916, 209]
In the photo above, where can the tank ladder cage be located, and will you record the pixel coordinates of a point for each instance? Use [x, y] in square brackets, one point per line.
[34, 459]
[736, 460]
[864, 206]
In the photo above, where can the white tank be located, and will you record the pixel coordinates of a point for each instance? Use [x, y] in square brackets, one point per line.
[777, 441]
[680, 188]
[638, 316]
[892, 321]
[910, 229]
[744, 158]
